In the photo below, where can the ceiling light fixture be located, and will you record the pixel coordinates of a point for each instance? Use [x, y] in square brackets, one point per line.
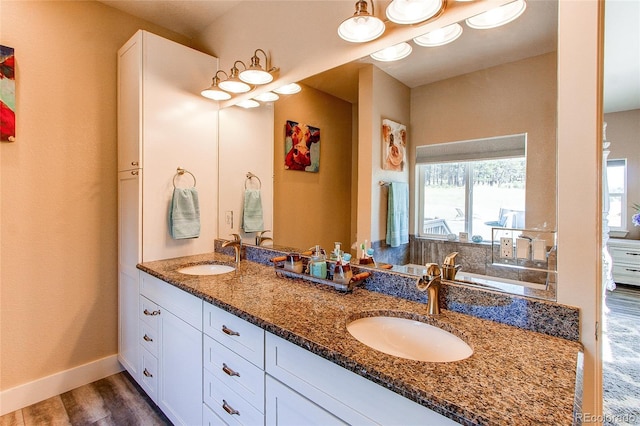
[413, 11]
[248, 103]
[439, 37]
[288, 89]
[393, 53]
[255, 74]
[266, 97]
[498, 16]
[214, 92]
[362, 26]
[233, 84]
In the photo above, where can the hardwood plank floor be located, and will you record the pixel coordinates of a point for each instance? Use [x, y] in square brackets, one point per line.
[115, 400]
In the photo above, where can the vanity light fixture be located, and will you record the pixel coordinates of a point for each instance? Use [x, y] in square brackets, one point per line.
[393, 53]
[288, 89]
[266, 97]
[497, 16]
[439, 37]
[255, 74]
[362, 26]
[233, 84]
[413, 11]
[248, 103]
[214, 92]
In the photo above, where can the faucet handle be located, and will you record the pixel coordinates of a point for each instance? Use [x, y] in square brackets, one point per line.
[433, 270]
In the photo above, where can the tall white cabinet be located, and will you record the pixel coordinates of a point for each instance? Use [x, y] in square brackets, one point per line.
[163, 124]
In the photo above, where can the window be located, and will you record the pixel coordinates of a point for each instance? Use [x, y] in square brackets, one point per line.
[617, 185]
[472, 186]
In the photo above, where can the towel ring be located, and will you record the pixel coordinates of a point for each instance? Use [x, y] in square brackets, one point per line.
[249, 176]
[180, 172]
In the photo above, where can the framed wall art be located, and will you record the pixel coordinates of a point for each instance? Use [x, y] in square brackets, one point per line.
[7, 95]
[301, 147]
[394, 145]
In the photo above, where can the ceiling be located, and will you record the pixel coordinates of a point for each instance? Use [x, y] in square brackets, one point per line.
[536, 33]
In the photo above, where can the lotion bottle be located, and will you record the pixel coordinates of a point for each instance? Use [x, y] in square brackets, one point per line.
[318, 264]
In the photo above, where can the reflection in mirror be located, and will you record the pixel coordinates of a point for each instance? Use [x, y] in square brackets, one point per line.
[487, 83]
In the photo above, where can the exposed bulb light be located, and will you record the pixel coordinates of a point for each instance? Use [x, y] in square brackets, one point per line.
[266, 97]
[412, 11]
[288, 89]
[248, 103]
[393, 53]
[497, 16]
[439, 37]
[255, 74]
[214, 92]
[362, 26]
[233, 84]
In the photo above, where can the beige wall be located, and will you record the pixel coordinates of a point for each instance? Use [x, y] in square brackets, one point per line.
[518, 97]
[314, 208]
[623, 131]
[59, 227]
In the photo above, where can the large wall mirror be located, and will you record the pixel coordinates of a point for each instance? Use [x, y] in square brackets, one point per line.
[485, 86]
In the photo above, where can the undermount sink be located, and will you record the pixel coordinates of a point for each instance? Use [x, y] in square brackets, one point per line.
[206, 269]
[406, 338]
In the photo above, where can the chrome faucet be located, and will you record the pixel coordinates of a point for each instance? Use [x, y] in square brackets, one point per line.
[431, 282]
[236, 243]
[260, 238]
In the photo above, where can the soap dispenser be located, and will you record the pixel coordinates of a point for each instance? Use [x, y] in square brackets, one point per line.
[342, 273]
[318, 263]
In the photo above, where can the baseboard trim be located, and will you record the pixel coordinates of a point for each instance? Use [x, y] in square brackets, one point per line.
[38, 390]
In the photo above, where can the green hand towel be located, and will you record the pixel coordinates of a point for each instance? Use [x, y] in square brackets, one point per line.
[184, 214]
[398, 214]
[252, 213]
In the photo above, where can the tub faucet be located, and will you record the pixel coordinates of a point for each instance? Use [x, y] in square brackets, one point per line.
[260, 238]
[431, 282]
[236, 243]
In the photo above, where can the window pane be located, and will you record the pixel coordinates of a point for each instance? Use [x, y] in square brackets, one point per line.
[615, 178]
[615, 211]
[498, 195]
[444, 190]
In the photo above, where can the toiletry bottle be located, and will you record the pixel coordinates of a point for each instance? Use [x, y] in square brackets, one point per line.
[342, 273]
[318, 264]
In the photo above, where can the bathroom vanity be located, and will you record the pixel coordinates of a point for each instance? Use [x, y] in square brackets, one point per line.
[277, 351]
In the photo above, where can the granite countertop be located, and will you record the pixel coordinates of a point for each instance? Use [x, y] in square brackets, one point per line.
[513, 377]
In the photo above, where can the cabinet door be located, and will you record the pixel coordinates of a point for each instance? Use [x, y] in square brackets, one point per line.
[180, 372]
[287, 407]
[129, 103]
[128, 282]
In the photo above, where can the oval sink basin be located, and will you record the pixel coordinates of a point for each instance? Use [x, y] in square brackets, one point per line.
[206, 269]
[409, 339]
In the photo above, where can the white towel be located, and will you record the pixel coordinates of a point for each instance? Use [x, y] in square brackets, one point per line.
[398, 214]
[184, 214]
[252, 213]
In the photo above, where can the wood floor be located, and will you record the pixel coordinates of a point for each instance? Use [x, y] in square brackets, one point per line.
[115, 400]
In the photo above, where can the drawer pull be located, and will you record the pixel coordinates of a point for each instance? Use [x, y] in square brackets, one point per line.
[229, 331]
[147, 338]
[229, 371]
[632, 270]
[134, 173]
[151, 314]
[134, 163]
[633, 254]
[228, 408]
[146, 373]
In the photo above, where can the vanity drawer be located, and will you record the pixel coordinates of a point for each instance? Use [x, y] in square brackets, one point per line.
[626, 274]
[149, 313]
[627, 255]
[149, 338]
[149, 375]
[242, 337]
[228, 405]
[237, 373]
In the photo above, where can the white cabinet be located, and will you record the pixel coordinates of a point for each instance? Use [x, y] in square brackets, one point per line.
[171, 349]
[626, 260]
[348, 397]
[233, 353]
[163, 124]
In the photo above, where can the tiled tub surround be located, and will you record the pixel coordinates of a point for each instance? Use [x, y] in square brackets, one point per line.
[513, 377]
[524, 312]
